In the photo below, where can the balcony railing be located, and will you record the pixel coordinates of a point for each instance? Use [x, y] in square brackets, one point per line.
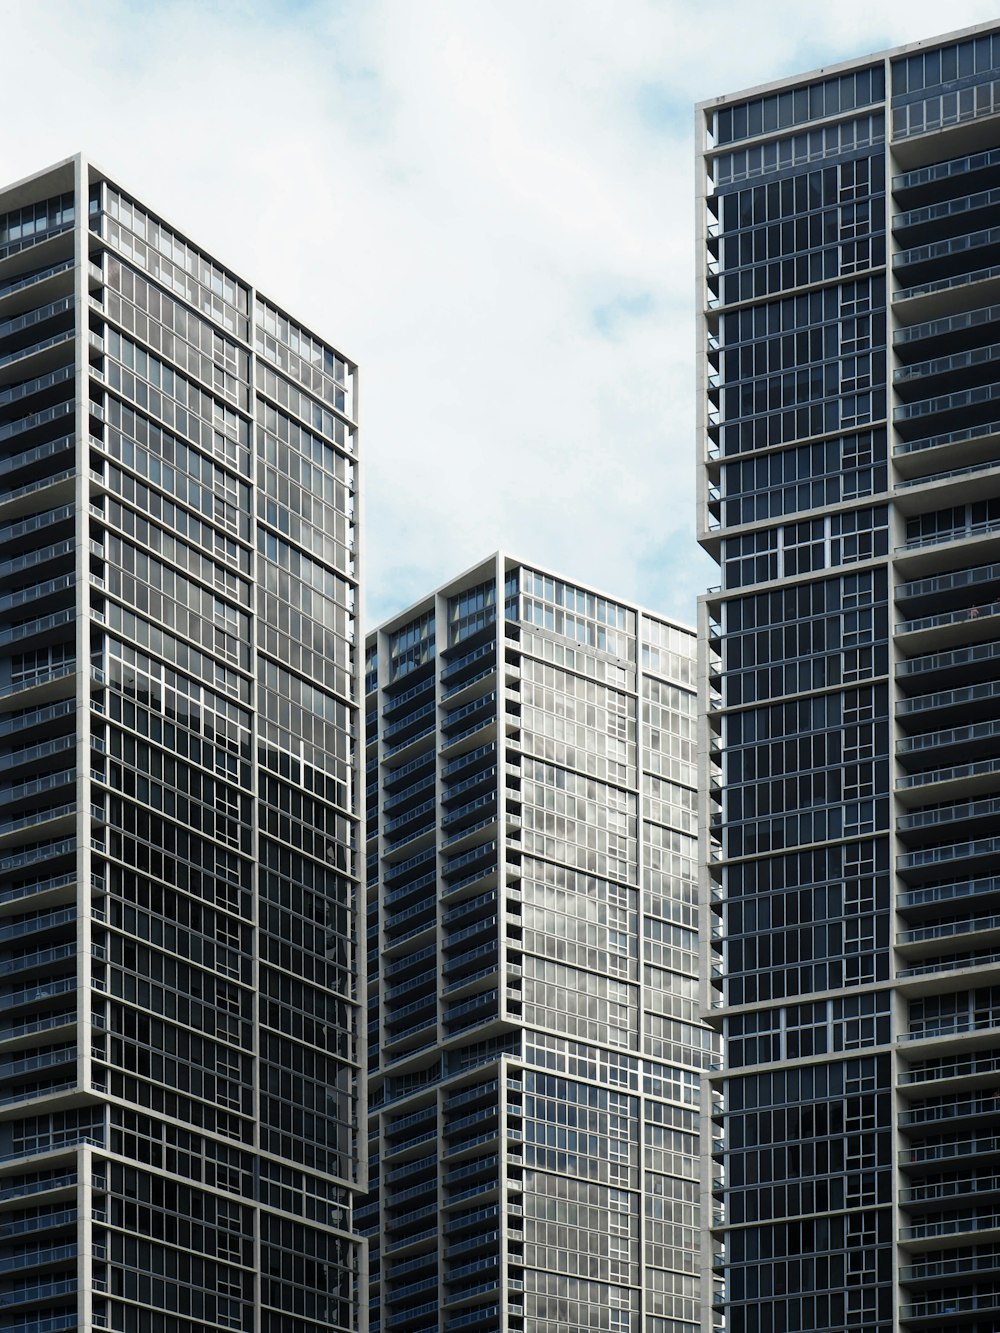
[959, 812]
[961, 851]
[953, 1226]
[963, 694]
[31, 754]
[470, 757]
[947, 737]
[14, 463]
[948, 929]
[40, 958]
[27, 320]
[37, 385]
[62, 916]
[955, 963]
[35, 786]
[18, 891]
[35, 419]
[980, 768]
[35, 591]
[951, 246]
[42, 625]
[961, 616]
[39, 275]
[21, 822]
[947, 284]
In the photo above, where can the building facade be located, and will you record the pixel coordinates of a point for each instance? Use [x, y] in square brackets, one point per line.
[535, 1050]
[850, 491]
[180, 1090]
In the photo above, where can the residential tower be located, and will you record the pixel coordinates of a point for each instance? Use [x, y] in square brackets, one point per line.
[535, 1049]
[180, 1089]
[850, 490]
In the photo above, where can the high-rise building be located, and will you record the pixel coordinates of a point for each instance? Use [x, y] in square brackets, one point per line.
[535, 1047]
[850, 428]
[179, 1079]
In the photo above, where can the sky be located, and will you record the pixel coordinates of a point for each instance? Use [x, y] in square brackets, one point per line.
[487, 204]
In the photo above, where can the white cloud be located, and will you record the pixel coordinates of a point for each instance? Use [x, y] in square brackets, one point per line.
[487, 205]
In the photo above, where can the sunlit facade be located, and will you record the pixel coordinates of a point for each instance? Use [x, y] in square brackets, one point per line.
[850, 491]
[179, 1075]
[534, 1044]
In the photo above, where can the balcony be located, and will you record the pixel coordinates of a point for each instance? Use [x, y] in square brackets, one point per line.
[411, 1041]
[57, 557]
[61, 817]
[940, 784]
[420, 762]
[480, 1093]
[40, 630]
[467, 1013]
[24, 1034]
[404, 965]
[423, 1166]
[399, 800]
[959, 370]
[23, 290]
[953, 257]
[22, 794]
[960, 962]
[37, 757]
[955, 667]
[394, 702]
[474, 782]
[457, 718]
[409, 726]
[35, 468]
[924, 862]
[967, 703]
[933, 222]
[393, 1017]
[54, 888]
[972, 409]
[470, 758]
[410, 923]
[419, 819]
[37, 922]
[949, 818]
[952, 451]
[984, 1224]
[974, 1063]
[463, 818]
[32, 1293]
[987, 926]
[38, 388]
[483, 852]
[481, 904]
[54, 489]
[480, 1168]
[24, 425]
[943, 296]
[464, 687]
[399, 870]
[470, 981]
[483, 926]
[409, 742]
[461, 667]
[39, 960]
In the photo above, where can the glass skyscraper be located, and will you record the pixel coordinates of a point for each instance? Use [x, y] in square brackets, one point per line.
[179, 1072]
[535, 1048]
[850, 491]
